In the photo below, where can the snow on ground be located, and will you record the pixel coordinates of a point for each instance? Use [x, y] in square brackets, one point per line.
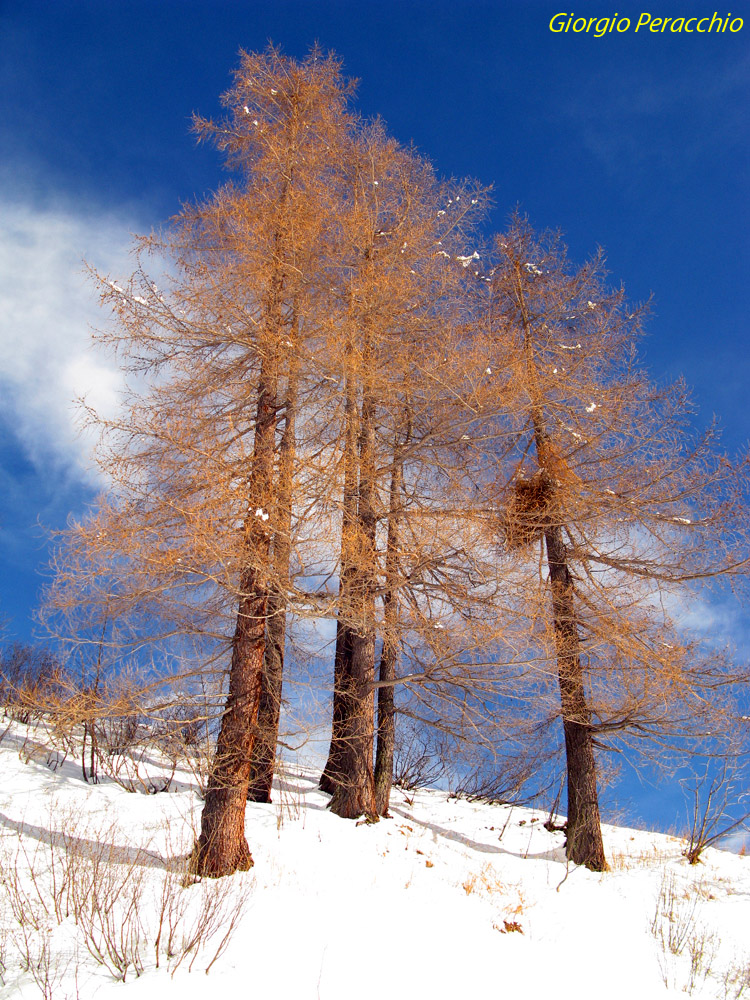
[446, 899]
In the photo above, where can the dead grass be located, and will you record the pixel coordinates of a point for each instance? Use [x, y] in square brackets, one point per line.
[487, 884]
[654, 856]
[688, 947]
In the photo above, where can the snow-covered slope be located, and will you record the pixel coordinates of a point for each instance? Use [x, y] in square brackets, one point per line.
[445, 899]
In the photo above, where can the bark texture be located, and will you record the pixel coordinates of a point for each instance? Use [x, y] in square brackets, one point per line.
[354, 794]
[386, 736]
[386, 730]
[584, 844]
[335, 765]
[222, 848]
[264, 753]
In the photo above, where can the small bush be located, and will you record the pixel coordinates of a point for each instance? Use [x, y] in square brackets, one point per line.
[31, 681]
[417, 761]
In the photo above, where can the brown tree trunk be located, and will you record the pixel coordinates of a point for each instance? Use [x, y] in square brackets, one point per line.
[264, 753]
[222, 848]
[386, 735]
[263, 761]
[342, 662]
[354, 794]
[334, 768]
[584, 844]
[386, 729]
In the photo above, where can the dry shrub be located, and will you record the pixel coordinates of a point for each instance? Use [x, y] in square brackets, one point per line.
[486, 881]
[654, 856]
[113, 735]
[31, 678]
[736, 980]
[714, 798]
[289, 797]
[674, 916]
[186, 735]
[419, 757]
[120, 904]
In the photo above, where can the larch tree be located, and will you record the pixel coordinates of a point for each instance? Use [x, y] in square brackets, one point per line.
[287, 123]
[198, 518]
[400, 301]
[626, 508]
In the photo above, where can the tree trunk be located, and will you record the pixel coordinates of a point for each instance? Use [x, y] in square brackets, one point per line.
[222, 848]
[264, 756]
[386, 729]
[342, 661]
[334, 768]
[354, 794]
[263, 761]
[387, 673]
[584, 844]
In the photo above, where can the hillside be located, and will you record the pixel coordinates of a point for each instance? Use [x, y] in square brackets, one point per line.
[445, 899]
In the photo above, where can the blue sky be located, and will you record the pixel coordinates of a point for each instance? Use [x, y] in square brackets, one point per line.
[638, 143]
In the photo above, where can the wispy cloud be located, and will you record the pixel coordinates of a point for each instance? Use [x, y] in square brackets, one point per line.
[661, 124]
[47, 309]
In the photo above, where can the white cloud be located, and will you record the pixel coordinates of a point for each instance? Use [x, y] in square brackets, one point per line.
[739, 842]
[47, 309]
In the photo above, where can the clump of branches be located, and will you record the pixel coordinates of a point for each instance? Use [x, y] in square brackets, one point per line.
[526, 511]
